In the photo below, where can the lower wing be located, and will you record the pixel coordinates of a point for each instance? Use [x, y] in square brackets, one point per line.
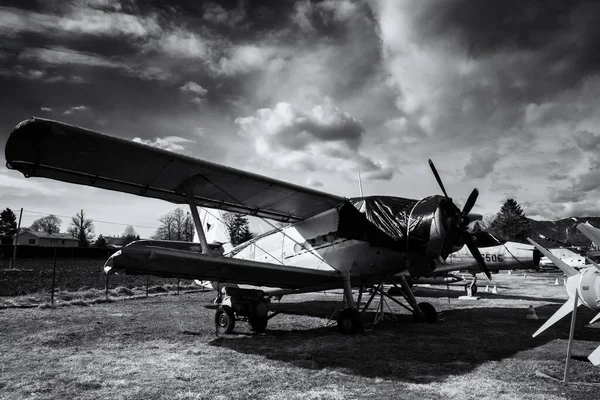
[149, 259]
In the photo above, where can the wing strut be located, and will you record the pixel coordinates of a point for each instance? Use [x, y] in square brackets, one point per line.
[196, 216]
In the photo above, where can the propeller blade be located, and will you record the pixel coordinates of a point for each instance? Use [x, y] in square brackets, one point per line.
[437, 178]
[562, 312]
[470, 201]
[595, 356]
[564, 267]
[468, 239]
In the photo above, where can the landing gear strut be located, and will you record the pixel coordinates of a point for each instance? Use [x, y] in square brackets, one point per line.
[349, 320]
[471, 287]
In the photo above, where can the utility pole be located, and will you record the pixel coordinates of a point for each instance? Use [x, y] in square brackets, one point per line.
[14, 257]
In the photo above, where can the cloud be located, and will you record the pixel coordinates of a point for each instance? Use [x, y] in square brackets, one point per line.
[170, 143]
[313, 183]
[61, 55]
[71, 110]
[46, 109]
[481, 163]
[193, 87]
[243, 59]
[325, 138]
[215, 13]
[587, 141]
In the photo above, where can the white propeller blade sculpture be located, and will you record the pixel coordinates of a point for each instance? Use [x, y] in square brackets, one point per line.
[583, 285]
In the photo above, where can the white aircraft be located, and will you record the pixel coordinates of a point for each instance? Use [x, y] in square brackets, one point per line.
[498, 254]
[583, 286]
[334, 242]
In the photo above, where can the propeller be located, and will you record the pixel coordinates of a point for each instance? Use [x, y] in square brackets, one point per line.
[459, 220]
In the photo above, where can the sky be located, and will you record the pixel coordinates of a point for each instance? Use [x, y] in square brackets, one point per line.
[500, 94]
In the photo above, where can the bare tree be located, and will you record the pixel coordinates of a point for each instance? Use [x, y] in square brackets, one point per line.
[82, 228]
[50, 224]
[175, 225]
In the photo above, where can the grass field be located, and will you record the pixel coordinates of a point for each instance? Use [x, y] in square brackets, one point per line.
[165, 347]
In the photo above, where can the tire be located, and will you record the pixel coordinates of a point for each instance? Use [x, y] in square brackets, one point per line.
[349, 321]
[428, 313]
[258, 324]
[225, 319]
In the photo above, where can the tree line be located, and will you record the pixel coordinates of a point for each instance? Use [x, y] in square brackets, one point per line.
[509, 223]
[175, 225]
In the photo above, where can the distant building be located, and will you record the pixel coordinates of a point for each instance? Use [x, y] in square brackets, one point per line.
[44, 239]
[115, 241]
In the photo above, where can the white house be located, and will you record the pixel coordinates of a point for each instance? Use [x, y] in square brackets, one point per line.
[44, 239]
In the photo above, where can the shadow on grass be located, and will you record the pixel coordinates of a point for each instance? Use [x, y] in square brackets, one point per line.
[410, 351]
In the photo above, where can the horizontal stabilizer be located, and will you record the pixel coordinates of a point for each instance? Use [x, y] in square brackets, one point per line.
[596, 318]
[595, 356]
[564, 267]
[557, 316]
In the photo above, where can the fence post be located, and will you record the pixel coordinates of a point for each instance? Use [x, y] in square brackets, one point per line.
[53, 279]
[178, 286]
[146, 285]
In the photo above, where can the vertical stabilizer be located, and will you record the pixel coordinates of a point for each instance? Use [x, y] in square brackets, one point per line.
[213, 223]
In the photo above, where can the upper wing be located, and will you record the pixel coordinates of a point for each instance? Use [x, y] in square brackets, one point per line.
[147, 258]
[50, 149]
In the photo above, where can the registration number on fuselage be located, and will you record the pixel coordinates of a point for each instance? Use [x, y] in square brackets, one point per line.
[493, 257]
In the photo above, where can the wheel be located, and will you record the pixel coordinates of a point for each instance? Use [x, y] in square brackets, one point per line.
[258, 319]
[473, 289]
[428, 313]
[349, 321]
[225, 319]
[258, 324]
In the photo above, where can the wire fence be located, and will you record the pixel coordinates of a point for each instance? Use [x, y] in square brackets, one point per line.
[47, 269]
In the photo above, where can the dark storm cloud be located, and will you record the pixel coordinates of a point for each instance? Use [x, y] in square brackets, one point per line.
[587, 141]
[564, 34]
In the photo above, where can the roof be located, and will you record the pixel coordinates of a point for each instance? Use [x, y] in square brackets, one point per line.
[46, 235]
[55, 150]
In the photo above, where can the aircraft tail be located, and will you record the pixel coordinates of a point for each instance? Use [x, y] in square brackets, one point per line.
[213, 223]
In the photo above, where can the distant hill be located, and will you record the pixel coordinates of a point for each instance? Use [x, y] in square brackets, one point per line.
[562, 229]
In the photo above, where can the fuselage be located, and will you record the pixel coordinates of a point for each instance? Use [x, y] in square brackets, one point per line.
[506, 256]
[328, 241]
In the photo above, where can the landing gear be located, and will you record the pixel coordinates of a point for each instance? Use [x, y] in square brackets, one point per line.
[349, 321]
[471, 287]
[225, 319]
[428, 313]
[244, 305]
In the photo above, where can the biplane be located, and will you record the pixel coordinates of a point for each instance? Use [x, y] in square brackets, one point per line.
[330, 241]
